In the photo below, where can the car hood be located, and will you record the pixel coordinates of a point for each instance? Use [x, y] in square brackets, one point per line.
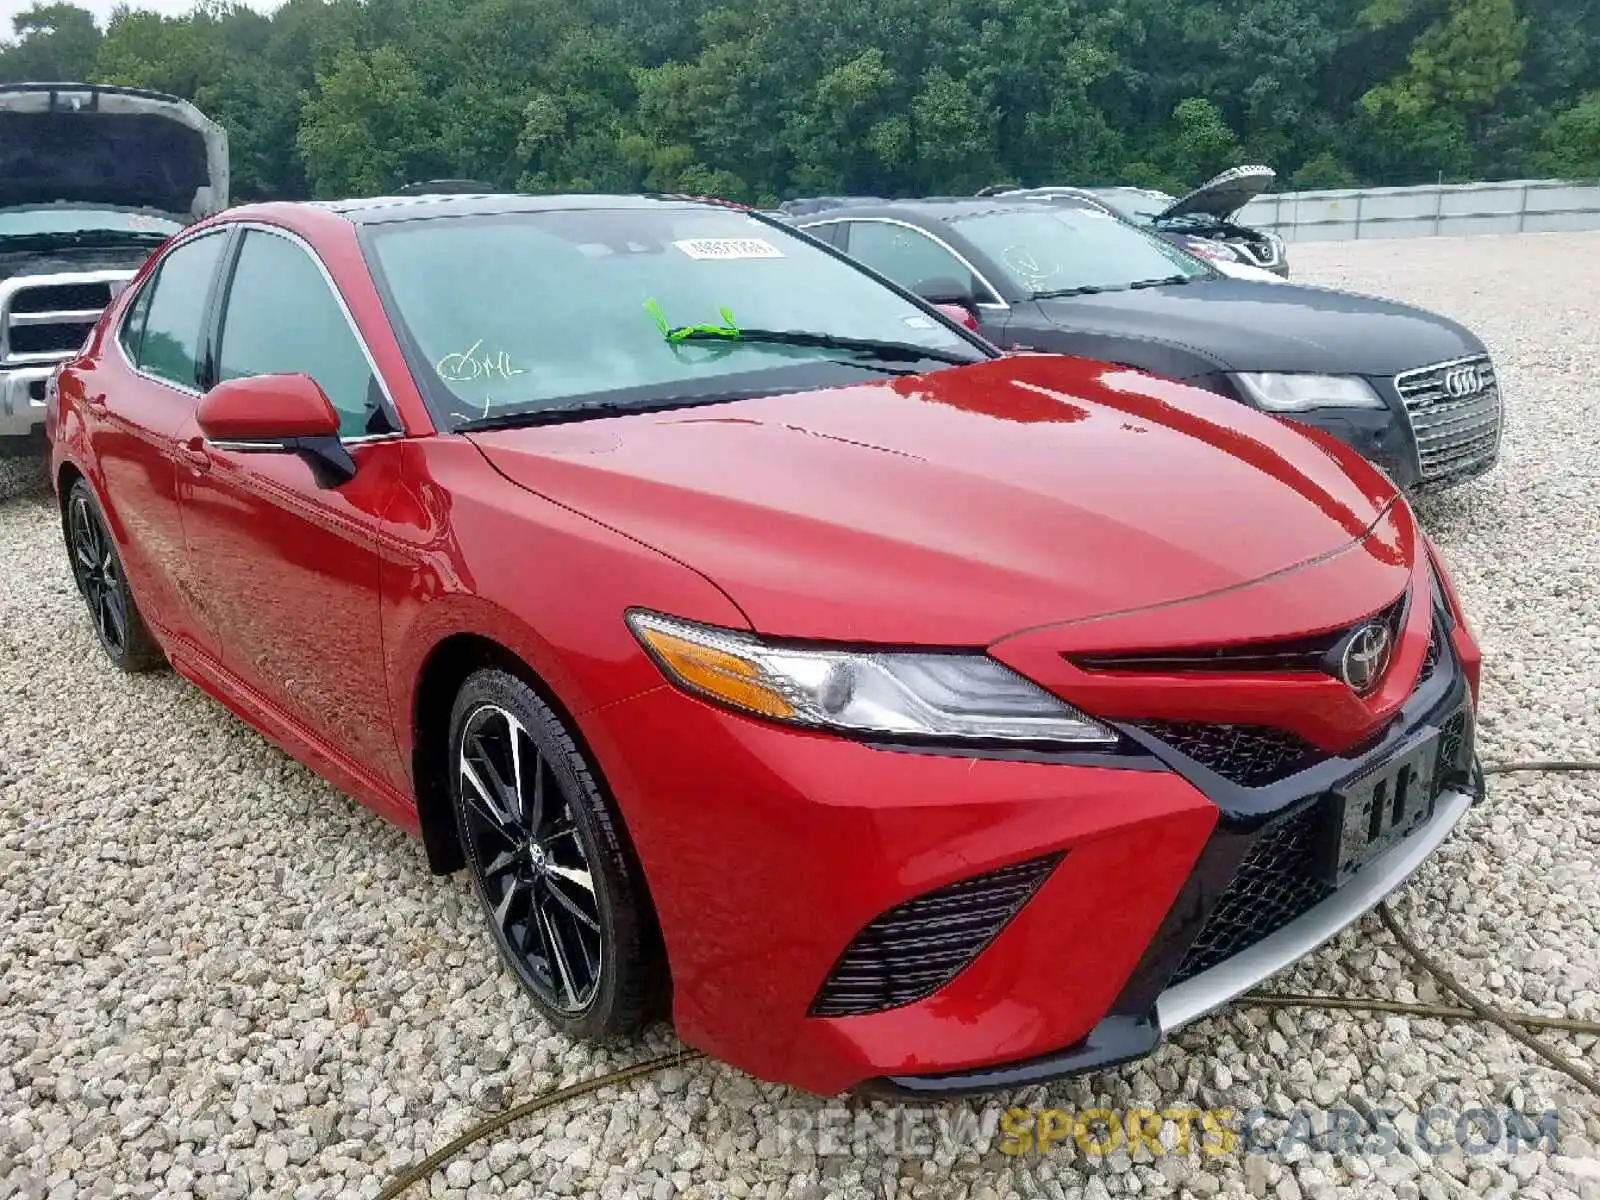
[88, 144]
[1223, 196]
[957, 507]
[1245, 325]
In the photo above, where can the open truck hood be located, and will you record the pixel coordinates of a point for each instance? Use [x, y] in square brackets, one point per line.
[1223, 196]
[91, 144]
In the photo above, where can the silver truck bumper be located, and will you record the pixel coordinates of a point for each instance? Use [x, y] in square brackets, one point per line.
[22, 400]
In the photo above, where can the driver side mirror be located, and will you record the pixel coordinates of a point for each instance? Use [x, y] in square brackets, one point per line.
[278, 414]
[951, 297]
[961, 315]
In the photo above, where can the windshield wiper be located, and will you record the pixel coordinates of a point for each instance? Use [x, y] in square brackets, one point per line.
[528, 418]
[83, 237]
[1087, 290]
[1150, 283]
[871, 347]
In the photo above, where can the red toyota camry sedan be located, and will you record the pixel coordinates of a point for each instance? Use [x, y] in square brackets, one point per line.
[763, 644]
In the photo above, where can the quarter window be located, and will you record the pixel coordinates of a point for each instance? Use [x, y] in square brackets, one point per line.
[164, 327]
[283, 318]
[909, 257]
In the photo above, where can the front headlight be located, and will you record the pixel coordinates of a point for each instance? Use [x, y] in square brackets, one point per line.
[941, 697]
[1296, 393]
[1217, 251]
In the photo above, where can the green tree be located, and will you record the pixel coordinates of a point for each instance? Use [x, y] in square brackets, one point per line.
[367, 125]
[1571, 147]
[54, 42]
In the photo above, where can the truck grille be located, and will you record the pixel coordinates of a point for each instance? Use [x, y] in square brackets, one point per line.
[47, 318]
[913, 950]
[1456, 414]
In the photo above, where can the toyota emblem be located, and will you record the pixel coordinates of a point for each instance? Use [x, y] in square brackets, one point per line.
[1463, 381]
[1366, 657]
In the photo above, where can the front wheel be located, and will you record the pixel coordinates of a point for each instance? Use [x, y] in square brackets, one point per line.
[97, 569]
[549, 863]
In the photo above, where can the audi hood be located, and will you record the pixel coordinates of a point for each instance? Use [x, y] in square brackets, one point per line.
[1244, 325]
[1224, 195]
[961, 506]
[123, 147]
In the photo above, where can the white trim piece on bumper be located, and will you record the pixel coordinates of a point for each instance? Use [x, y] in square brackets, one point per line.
[20, 413]
[1194, 998]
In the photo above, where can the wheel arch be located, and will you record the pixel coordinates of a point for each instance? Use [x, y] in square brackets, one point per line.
[446, 668]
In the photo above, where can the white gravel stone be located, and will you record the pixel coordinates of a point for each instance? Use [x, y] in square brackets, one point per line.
[219, 977]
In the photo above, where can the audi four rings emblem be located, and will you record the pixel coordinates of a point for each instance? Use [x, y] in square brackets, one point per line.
[1463, 381]
[1366, 656]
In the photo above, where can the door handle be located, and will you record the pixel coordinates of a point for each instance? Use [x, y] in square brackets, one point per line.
[195, 454]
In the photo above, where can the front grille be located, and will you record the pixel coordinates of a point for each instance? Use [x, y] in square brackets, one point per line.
[1275, 884]
[1456, 435]
[1249, 755]
[1279, 878]
[916, 948]
[1452, 736]
[1304, 654]
[47, 322]
[61, 297]
[56, 338]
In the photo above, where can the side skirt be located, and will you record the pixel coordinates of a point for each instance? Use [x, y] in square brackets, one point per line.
[289, 735]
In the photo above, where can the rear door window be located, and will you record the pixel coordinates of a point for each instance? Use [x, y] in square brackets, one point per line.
[167, 342]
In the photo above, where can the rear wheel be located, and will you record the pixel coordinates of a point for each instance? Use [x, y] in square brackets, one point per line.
[548, 861]
[97, 568]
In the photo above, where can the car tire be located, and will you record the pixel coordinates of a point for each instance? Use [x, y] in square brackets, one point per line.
[549, 862]
[103, 584]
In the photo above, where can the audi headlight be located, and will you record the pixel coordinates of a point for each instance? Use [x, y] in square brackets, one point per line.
[940, 697]
[1297, 393]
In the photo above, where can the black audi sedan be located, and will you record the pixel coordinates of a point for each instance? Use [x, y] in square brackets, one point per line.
[1413, 391]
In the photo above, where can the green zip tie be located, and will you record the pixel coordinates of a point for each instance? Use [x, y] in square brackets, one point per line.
[675, 335]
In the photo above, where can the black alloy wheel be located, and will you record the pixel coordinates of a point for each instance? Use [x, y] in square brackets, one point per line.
[97, 569]
[548, 864]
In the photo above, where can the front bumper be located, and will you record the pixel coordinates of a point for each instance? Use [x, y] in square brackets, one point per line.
[769, 851]
[1163, 993]
[22, 402]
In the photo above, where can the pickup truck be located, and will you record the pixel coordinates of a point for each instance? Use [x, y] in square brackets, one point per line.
[92, 180]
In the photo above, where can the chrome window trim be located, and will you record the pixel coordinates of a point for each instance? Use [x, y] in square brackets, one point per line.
[344, 309]
[998, 304]
[271, 447]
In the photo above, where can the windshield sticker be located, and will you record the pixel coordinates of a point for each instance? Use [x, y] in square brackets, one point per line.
[470, 365]
[728, 248]
[919, 322]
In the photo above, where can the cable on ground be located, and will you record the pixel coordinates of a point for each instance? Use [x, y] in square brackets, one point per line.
[1513, 1024]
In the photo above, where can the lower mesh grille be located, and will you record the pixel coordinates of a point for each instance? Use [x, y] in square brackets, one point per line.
[1275, 883]
[913, 950]
[1249, 755]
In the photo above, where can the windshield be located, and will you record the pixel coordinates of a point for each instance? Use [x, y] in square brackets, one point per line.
[634, 307]
[52, 219]
[1136, 204]
[1055, 251]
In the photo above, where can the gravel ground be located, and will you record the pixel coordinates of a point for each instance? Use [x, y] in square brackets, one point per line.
[219, 977]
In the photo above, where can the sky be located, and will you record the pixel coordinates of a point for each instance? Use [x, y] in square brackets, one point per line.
[102, 8]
